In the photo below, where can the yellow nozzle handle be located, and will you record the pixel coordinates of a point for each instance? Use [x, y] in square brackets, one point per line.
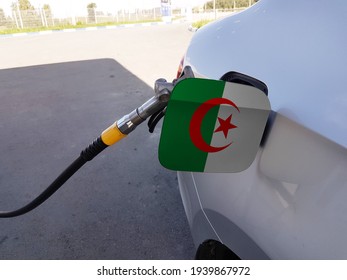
[112, 135]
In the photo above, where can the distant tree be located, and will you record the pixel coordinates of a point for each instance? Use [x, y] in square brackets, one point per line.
[3, 20]
[25, 5]
[229, 4]
[91, 12]
[91, 6]
[28, 16]
[46, 7]
[48, 11]
[2, 14]
[48, 15]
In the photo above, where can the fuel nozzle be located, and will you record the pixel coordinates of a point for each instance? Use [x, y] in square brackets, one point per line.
[154, 108]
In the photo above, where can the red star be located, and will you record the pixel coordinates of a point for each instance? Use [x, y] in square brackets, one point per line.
[225, 126]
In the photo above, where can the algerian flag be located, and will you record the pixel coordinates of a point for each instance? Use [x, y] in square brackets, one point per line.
[212, 126]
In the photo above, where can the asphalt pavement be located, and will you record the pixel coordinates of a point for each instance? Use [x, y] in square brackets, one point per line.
[57, 93]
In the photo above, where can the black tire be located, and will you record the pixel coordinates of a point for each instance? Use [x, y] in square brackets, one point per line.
[214, 250]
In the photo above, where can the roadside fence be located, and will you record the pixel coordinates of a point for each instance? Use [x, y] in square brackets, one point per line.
[45, 18]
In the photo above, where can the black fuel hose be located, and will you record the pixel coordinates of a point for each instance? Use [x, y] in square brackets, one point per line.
[108, 137]
[86, 155]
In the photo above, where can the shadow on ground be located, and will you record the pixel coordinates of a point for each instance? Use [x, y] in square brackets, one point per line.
[122, 205]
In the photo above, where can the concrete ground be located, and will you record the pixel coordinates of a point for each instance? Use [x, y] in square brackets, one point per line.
[57, 93]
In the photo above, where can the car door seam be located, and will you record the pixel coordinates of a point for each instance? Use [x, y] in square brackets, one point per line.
[202, 209]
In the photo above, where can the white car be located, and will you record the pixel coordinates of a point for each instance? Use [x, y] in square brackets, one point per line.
[291, 203]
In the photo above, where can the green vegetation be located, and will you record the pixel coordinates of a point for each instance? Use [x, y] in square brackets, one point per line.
[24, 5]
[68, 26]
[91, 12]
[223, 5]
[30, 20]
[25, 18]
[201, 23]
[230, 4]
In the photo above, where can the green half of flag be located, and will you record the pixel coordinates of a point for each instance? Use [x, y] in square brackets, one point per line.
[178, 151]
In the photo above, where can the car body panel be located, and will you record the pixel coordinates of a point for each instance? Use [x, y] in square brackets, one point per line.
[290, 203]
[297, 48]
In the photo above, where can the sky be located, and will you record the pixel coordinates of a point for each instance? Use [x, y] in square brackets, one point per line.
[78, 7]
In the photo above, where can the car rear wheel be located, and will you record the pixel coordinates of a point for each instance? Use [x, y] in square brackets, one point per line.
[214, 250]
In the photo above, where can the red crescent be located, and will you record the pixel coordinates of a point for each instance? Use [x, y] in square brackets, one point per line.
[196, 121]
